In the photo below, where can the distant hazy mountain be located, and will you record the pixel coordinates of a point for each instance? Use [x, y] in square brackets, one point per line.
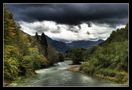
[62, 46]
[58, 45]
[83, 43]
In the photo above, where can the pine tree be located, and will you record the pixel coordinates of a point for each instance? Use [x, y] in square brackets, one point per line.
[44, 43]
[36, 36]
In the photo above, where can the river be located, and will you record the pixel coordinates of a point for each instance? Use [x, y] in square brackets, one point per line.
[57, 75]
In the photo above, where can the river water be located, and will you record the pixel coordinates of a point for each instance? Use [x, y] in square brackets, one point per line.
[57, 75]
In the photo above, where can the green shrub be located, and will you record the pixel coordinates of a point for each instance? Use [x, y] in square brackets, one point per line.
[10, 68]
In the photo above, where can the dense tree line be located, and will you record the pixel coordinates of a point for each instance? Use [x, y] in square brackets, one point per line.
[75, 54]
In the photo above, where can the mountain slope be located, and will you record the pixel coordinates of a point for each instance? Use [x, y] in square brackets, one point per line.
[23, 54]
[58, 45]
[84, 44]
[109, 60]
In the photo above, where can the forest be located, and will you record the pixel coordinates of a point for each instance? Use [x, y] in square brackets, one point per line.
[109, 60]
[23, 54]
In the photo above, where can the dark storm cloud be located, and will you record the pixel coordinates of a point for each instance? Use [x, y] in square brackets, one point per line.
[72, 14]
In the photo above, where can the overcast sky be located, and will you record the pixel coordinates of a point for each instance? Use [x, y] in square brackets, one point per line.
[69, 22]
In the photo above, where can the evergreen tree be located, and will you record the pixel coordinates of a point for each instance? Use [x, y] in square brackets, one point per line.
[37, 36]
[44, 43]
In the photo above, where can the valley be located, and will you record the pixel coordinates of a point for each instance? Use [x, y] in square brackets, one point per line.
[51, 54]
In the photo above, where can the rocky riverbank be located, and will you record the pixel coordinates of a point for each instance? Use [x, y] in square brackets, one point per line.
[73, 68]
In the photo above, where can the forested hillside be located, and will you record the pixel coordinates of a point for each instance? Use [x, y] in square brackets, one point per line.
[23, 54]
[109, 60]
